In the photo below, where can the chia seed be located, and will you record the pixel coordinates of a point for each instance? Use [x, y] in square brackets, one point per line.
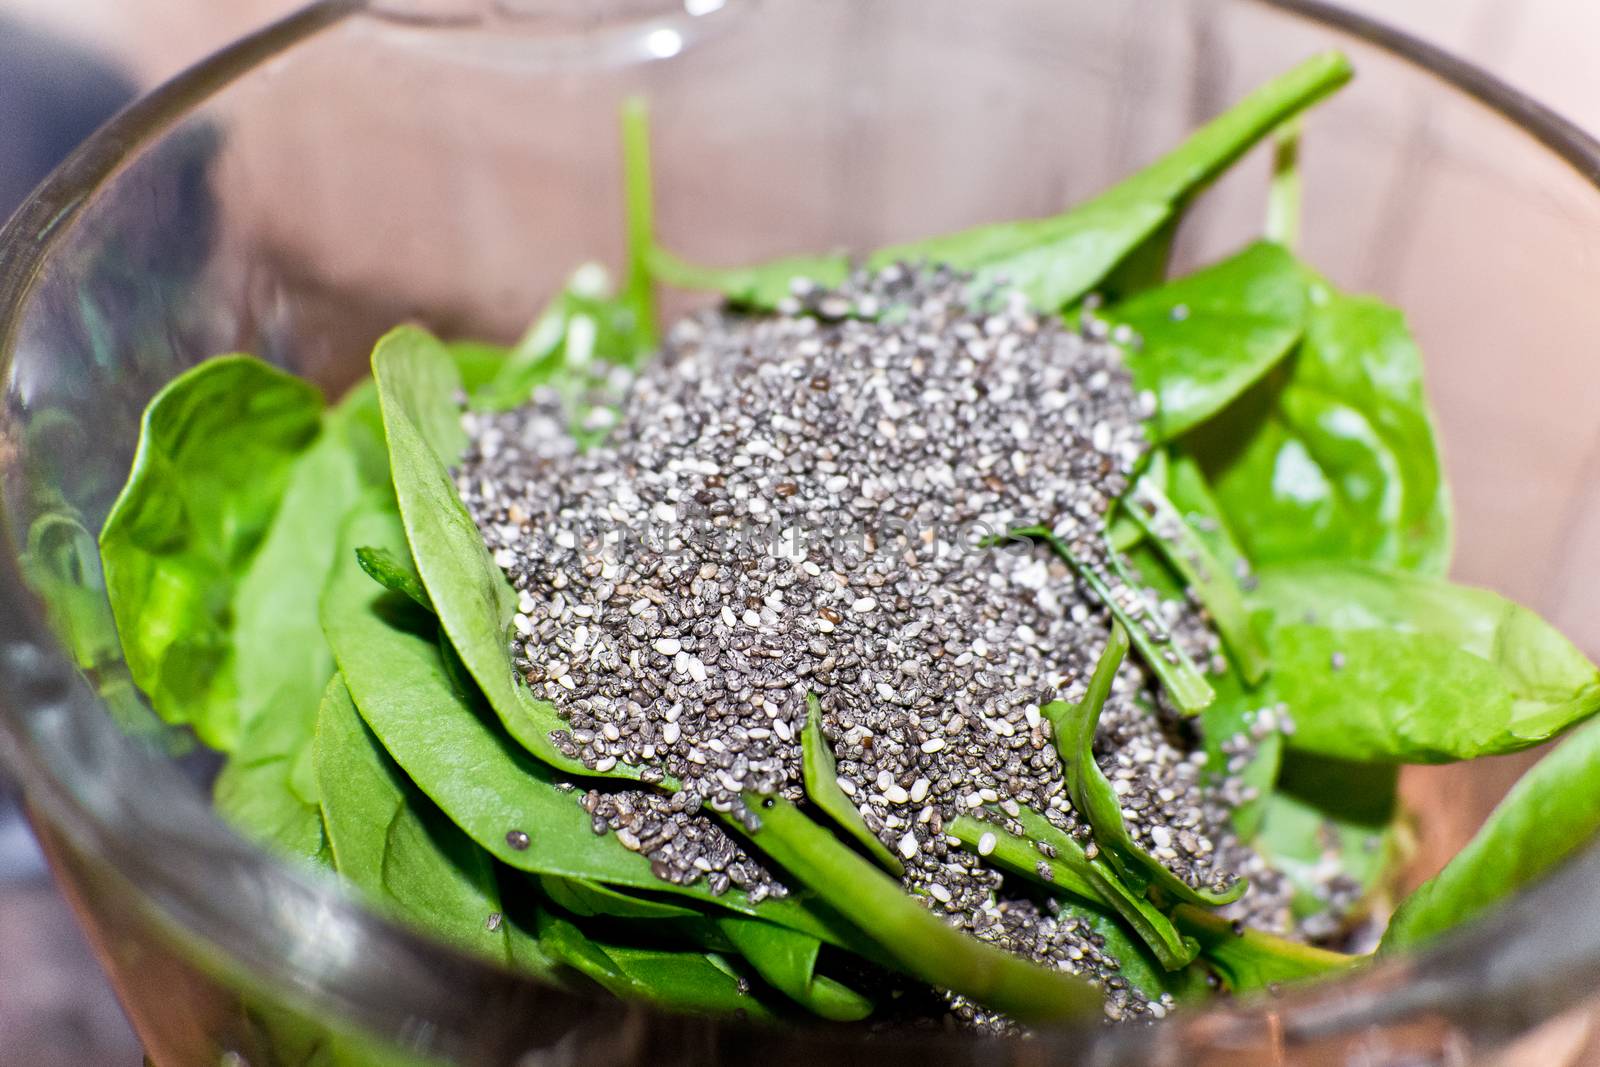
[798, 503]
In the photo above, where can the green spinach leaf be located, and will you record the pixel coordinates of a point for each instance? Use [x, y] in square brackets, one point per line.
[685, 980]
[822, 787]
[582, 897]
[1074, 728]
[1380, 665]
[787, 961]
[1550, 813]
[280, 656]
[268, 790]
[922, 944]
[1332, 455]
[216, 451]
[1332, 816]
[394, 844]
[1067, 868]
[457, 753]
[1208, 336]
[394, 573]
[1250, 960]
[1207, 576]
[416, 381]
[1058, 259]
[1178, 675]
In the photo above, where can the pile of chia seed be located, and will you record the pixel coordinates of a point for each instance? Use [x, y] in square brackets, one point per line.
[808, 502]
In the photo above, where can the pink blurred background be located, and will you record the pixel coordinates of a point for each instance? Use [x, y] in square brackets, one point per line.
[54, 1006]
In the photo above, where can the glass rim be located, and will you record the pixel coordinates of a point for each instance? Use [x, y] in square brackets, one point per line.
[240, 906]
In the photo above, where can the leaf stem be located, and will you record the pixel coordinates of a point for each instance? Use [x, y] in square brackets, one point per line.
[913, 936]
[820, 770]
[1283, 195]
[1205, 575]
[1094, 799]
[1172, 666]
[638, 190]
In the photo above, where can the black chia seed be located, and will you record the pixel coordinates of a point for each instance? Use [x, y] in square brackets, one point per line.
[798, 503]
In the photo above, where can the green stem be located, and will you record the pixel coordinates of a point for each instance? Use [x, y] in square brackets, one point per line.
[1283, 196]
[1074, 726]
[638, 285]
[1250, 959]
[918, 940]
[1068, 870]
[1171, 950]
[1172, 666]
[821, 775]
[1205, 575]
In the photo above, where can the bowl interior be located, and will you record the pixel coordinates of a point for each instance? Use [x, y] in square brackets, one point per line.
[374, 171]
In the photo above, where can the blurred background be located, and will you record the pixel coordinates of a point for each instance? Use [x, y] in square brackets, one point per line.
[66, 65]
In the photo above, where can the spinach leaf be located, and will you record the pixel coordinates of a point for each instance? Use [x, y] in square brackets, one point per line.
[684, 980]
[396, 574]
[583, 897]
[457, 753]
[822, 787]
[787, 961]
[1250, 960]
[1380, 665]
[472, 597]
[281, 658]
[1170, 664]
[1332, 456]
[1207, 577]
[1067, 868]
[61, 564]
[759, 288]
[1232, 718]
[915, 938]
[1332, 814]
[268, 790]
[1148, 949]
[394, 845]
[1208, 336]
[1073, 727]
[1550, 813]
[1186, 487]
[1056, 260]
[217, 447]
[585, 330]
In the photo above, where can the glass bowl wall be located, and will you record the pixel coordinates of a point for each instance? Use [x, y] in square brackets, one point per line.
[301, 192]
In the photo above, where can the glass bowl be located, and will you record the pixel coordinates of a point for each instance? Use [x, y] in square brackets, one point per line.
[443, 161]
